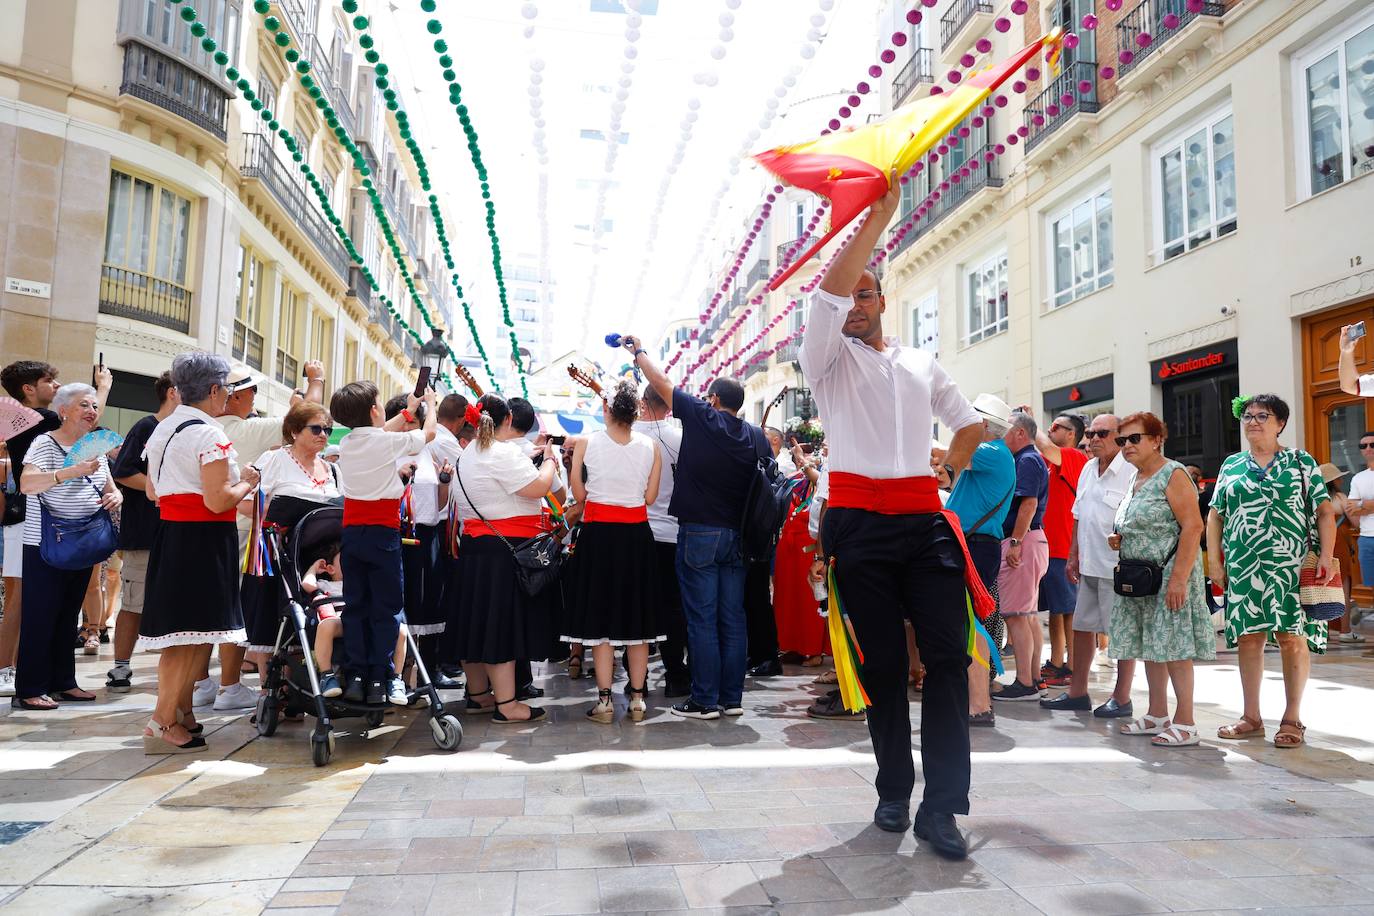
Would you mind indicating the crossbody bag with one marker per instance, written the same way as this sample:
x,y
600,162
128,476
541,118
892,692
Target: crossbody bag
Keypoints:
x,y
75,543
537,559
1140,578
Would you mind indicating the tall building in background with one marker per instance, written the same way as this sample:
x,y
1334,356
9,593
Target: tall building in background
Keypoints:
x,y
146,208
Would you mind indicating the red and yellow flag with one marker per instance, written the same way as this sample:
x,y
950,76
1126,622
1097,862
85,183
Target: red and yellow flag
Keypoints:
x,y
850,167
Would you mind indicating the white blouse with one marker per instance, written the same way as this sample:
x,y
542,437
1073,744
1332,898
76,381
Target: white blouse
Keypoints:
x,y
617,475
283,475
491,477
200,444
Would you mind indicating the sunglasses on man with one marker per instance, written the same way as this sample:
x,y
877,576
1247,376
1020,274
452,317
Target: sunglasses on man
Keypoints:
x,y
1097,433
1365,445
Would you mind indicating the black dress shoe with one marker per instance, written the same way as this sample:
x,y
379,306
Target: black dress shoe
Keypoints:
x,y
940,831
673,691
1114,710
529,692
376,693
893,816
354,692
444,682
1066,703
769,668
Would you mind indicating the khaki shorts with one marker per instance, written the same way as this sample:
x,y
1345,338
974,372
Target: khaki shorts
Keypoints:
x,y
133,575
1093,612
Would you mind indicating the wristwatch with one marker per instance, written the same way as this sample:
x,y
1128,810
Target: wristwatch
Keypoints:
x,y
1015,542
636,353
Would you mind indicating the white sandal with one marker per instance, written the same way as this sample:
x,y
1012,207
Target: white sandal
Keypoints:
x,y
1176,736
1145,725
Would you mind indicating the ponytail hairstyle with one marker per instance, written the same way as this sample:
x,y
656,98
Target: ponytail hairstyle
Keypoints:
x,y
623,404
494,411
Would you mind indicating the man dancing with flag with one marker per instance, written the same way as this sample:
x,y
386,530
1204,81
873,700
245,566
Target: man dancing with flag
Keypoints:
x,y
895,556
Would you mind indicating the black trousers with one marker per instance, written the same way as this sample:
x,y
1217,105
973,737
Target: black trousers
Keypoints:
x,y
677,669
895,567
758,613
52,607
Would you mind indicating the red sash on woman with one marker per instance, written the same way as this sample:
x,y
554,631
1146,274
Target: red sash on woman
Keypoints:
x,y
190,507
384,512
908,496
625,515
517,526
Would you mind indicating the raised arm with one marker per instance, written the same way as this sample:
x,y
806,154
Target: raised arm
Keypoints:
x,y
644,363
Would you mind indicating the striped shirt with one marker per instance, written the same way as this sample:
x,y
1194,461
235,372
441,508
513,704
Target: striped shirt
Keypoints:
x,y
76,498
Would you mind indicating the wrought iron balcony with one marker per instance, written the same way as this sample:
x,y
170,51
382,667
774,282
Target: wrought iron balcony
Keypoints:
x,y
1047,112
1161,20
800,245
985,175
789,352
247,345
359,288
143,297
919,69
758,273
261,162
961,13
168,83
754,368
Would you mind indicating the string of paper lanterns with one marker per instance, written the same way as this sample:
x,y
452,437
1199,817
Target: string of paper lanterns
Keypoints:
x,y
538,137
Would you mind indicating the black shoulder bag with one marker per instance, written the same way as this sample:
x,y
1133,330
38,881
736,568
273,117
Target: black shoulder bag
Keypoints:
x,y
76,543
537,559
1140,578
765,506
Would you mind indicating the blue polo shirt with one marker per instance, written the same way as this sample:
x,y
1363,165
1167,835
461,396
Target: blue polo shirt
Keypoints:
x,y
986,483
1032,482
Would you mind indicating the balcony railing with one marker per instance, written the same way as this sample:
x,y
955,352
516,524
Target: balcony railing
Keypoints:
x,y
1047,112
961,12
985,175
785,247
789,351
393,212
754,368
919,69
1161,20
247,345
288,368
358,287
143,297
759,272
168,83
260,161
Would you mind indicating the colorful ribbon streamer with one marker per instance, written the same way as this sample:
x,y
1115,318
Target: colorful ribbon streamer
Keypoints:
x,y
849,656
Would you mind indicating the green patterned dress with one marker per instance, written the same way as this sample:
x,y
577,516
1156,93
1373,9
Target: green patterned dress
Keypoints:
x,y
1144,628
1265,535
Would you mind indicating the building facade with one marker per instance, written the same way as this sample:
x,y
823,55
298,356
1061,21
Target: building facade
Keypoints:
x,y
147,210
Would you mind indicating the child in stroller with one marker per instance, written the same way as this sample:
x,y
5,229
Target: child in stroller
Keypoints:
x,y
326,600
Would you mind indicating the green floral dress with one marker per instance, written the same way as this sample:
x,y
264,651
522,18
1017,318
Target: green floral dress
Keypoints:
x,y
1265,534
1144,628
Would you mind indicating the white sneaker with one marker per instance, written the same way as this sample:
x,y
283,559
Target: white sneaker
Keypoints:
x,y
236,696
7,682
204,692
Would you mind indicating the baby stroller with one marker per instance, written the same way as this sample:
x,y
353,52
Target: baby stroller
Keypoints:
x,y
291,684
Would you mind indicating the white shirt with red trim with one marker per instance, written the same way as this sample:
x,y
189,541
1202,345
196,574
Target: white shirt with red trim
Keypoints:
x,y
196,445
367,461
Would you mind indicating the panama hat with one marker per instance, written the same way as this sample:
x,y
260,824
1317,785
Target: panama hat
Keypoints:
x,y
993,408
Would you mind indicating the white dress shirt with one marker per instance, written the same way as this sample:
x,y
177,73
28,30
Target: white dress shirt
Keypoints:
x,y
786,465
668,436
878,407
368,459
1099,497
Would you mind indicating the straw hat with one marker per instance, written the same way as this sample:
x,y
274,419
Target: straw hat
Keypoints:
x,y
1330,472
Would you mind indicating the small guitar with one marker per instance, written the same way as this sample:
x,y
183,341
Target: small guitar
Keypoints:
x,y
466,378
773,403
586,380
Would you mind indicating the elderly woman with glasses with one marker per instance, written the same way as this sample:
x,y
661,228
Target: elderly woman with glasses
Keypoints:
x,y
297,480
46,672
191,601
1269,507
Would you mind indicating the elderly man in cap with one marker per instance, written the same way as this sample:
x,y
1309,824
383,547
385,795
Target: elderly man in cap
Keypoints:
x,y
981,499
252,436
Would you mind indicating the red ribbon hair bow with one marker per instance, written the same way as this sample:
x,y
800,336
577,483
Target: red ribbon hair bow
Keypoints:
x,y
472,415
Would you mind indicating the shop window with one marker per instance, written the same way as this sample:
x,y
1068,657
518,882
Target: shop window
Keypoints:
x,y
1195,186
1334,92
1080,248
985,298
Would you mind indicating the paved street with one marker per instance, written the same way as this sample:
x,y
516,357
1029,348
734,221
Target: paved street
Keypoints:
x,y
770,812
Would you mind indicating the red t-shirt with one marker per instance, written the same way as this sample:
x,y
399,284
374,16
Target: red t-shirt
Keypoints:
x,y
1063,491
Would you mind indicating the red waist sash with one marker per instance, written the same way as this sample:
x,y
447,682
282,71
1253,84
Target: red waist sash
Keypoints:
x,y
625,515
908,496
190,507
384,512
517,526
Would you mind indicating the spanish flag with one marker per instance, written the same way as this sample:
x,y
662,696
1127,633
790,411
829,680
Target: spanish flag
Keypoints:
x,y
851,167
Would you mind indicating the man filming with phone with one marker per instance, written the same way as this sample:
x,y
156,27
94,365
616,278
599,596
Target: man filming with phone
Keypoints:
x,y
1352,382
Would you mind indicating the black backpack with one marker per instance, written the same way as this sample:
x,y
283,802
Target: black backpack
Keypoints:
x,y
765,508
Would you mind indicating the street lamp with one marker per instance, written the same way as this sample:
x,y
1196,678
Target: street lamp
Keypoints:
x,y
432,355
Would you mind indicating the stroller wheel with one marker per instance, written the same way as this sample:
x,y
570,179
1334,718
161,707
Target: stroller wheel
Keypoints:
x,y
321,746
374,719
268,715
448,732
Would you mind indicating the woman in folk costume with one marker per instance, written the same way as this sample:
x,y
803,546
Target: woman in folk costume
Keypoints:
x,y
800,628
613,598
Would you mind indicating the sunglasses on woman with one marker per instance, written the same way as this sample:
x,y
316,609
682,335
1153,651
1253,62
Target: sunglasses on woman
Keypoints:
x,y
1133,438
1097,433
319,429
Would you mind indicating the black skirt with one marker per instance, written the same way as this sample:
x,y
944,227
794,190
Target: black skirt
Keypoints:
x,y
192,592
613,596
496,622
425,571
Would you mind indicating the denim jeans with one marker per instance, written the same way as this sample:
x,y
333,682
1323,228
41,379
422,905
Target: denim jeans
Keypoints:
x,y
710,569
1365,548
